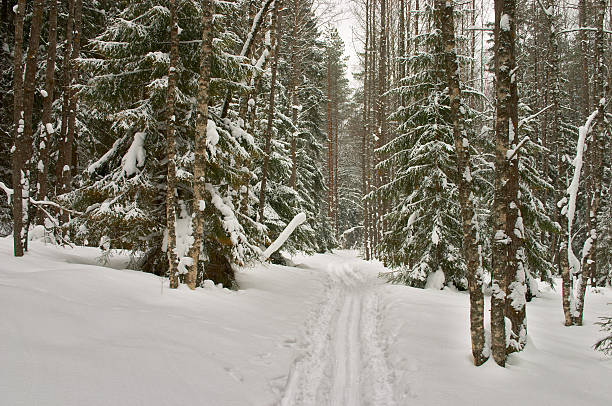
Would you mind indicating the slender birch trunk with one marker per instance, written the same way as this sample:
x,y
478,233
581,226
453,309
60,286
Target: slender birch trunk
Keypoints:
x,y
471,244
594,154
505,188
199,180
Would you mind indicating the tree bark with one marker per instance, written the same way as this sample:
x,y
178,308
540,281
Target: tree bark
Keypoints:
x,y
595,161
274,67
365,136
199,180
471,245
506,182
171,151
19,147
72,104
29,87
47,130
66,72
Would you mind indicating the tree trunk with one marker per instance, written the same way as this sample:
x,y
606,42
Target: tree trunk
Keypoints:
x,y
293,87
67,167
468,215
330,145
29,87
264,170
365,135
47,131
19,147
505,183
595,161
199,180
171,151
66,72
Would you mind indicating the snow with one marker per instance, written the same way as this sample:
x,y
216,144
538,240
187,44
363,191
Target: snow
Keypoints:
x,y
94,166
8,191
504,22
467,175
435,235
49,128
572,190
324,332
435,280
135,156
212,137
284,235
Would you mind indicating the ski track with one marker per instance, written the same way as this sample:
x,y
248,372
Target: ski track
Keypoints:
x,y
341,362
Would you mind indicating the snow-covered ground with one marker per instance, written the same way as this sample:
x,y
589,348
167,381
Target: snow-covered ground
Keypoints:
x,y
325,332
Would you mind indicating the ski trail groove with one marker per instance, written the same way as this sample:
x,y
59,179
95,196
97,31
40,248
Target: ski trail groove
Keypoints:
x,y
342,363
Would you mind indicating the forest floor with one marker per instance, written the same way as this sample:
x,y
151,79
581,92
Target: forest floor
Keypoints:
x,y
326,331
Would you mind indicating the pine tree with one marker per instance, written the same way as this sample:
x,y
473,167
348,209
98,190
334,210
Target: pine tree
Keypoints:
x,y
424,233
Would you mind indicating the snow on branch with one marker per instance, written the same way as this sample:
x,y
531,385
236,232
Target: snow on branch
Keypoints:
x,y
286,233
572,190
108,155
135,156
8,191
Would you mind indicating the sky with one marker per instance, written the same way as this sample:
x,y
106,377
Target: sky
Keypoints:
x,y
346,23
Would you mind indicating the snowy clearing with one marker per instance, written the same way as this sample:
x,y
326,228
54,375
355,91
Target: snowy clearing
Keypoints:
x,y
325,332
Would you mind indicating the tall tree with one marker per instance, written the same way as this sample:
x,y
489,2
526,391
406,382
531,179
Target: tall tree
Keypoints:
x,y
200,147
445,23
47,130
272,99
72,98
171,150
20,187
508,274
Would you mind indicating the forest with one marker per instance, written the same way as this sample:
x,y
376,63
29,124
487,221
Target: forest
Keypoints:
x,y
467,150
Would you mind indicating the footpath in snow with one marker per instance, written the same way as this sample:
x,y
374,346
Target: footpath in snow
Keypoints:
x,y
325,332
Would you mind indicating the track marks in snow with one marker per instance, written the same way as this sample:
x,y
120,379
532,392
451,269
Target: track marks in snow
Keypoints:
x,y
340,360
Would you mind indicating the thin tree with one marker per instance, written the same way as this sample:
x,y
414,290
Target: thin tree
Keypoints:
x,y
171,150
47,129
445,23
19,147
272,98
68,146
506,182
199,180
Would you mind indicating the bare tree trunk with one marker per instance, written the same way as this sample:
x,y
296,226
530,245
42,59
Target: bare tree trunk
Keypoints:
x,y
274,68
29,86
336,152
47,131
505,183
330,145
66,72
468,215
20,147
382,94
595,161
295,74
199,180
171,151
73,97
365,136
